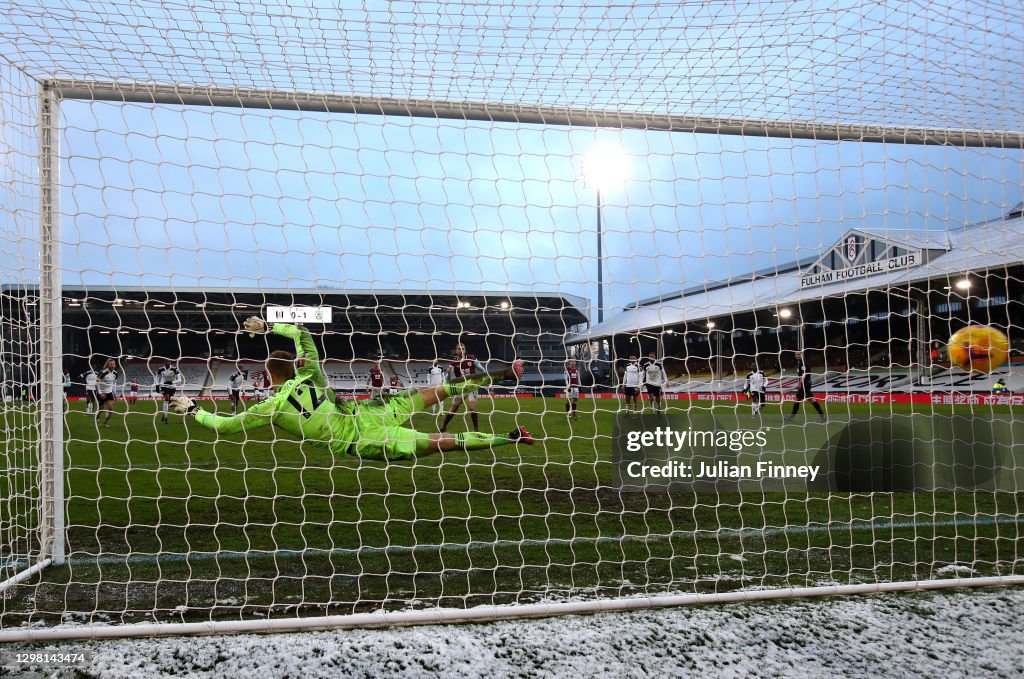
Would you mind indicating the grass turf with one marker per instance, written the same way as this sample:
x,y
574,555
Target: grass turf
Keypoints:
x,y
171,522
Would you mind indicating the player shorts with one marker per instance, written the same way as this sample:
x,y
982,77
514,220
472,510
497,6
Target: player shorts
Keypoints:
x,y
381,434
654,391
630,391
757,396
467,398
802,394
134,393
90,394
573,393
103,398
168,392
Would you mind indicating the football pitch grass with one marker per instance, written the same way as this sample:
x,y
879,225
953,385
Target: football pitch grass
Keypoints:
x,y
171,522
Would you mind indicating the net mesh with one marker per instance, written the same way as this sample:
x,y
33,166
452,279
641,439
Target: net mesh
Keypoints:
x,y
421,234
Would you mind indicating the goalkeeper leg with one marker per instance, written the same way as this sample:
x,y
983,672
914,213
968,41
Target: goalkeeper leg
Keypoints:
x,y
471,440
428,396
402,443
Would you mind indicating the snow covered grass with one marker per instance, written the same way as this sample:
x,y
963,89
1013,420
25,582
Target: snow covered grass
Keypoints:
x,y
169,523
960,634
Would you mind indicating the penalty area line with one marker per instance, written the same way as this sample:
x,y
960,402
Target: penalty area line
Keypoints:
x,y
109,559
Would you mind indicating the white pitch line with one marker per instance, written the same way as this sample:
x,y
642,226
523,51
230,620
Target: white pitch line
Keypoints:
x,y
504,544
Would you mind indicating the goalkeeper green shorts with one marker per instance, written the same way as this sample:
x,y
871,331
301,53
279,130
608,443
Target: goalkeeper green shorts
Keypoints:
x,y
381,434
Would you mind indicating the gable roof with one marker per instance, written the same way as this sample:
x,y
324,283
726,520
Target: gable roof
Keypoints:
x,y
993,244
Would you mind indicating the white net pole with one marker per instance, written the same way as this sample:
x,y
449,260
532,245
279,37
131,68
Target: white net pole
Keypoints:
x,y
21,554
51,302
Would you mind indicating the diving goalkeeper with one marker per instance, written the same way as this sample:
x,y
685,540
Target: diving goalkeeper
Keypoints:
x,y
303,405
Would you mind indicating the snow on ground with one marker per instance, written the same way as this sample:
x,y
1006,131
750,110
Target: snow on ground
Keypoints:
x,y
960,634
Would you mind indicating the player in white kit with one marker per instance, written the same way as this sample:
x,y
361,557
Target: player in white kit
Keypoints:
x,y
435,378
89,377
756,387
106,385
631,379
168,379
655,380
235,383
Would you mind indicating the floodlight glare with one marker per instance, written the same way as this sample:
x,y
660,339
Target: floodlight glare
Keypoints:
x,y
606,167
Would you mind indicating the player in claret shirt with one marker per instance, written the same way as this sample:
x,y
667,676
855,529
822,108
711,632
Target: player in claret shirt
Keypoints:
x,y
463,366
376,381
304,405
133,391
572,389
395,386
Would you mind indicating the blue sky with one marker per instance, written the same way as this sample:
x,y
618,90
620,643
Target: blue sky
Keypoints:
x,y
214,197
172,196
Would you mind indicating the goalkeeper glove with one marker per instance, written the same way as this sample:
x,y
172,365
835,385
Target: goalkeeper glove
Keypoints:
x,y
255,324
183,405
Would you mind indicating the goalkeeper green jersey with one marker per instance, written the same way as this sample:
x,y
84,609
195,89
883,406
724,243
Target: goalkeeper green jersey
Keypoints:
x,y
303,406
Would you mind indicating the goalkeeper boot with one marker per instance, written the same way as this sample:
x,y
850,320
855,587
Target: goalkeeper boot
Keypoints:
x,y
520,435
823,419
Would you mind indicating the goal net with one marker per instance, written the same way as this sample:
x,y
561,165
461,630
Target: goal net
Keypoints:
x,y
758,227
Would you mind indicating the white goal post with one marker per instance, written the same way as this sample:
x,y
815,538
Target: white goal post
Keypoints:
x,y
847,548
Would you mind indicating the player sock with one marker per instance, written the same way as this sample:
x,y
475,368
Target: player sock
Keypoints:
x,y
474,440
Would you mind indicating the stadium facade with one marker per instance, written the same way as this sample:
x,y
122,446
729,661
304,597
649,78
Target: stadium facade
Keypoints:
x,y
201,330
868,312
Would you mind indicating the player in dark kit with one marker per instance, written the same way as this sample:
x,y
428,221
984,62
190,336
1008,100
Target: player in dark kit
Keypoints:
x,y
463,367
803,391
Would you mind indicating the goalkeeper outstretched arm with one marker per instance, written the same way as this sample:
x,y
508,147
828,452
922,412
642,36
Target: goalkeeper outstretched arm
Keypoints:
x,y
259,415
307,367
307,359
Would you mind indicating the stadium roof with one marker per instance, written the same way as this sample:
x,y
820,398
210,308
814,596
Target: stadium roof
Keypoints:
x,y
862,261
211,307
221,308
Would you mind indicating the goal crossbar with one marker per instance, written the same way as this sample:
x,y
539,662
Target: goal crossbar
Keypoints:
x,y
234,97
